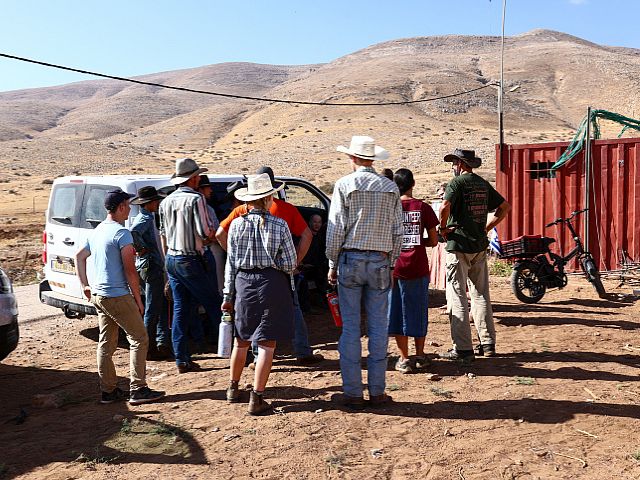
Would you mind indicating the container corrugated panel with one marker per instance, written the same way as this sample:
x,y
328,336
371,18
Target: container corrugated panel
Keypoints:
x,y
538,197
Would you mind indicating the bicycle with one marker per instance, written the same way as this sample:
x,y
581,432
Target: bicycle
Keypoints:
x,y
533,272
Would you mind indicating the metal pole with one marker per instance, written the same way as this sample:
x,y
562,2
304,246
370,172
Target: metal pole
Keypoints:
x,y
587,178
501,92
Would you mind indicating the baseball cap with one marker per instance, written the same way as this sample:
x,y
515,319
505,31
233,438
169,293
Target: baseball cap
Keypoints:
x,y
113,198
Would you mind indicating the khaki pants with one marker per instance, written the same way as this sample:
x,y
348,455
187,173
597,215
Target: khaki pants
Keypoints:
x,y
469,269
114,312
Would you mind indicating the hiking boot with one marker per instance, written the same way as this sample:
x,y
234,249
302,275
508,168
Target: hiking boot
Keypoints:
x,y
144,395
257,404
380,400
421,362
404,366
310,359
465,357
188,367
353,403
485,350
165,352
117,395
233,393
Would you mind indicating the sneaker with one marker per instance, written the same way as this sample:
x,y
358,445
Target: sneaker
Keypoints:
x,y
310,359
421,362
404,366
485,350
380,400
188,367
257,404
145,395
465,357
233,393
117,395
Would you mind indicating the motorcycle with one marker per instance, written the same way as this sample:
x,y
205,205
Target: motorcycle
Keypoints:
x,y
537,268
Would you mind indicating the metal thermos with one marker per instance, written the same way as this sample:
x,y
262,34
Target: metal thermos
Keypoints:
x,y
225,335
334,306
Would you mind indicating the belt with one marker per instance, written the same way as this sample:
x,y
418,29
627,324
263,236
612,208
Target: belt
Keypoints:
x,y
361,251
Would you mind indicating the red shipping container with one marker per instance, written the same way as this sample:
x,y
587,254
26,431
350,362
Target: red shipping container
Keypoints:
x,y
539,196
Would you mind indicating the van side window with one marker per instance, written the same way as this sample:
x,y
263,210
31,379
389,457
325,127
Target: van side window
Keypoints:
x,y
65,204
94,211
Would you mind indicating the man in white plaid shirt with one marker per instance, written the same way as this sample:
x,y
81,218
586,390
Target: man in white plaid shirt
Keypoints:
x,y
364,238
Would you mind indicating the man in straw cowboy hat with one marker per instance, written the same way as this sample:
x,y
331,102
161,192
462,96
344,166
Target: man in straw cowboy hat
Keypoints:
x,y
258,286
467,201
115,292
185,227
364,236
300,230
150,266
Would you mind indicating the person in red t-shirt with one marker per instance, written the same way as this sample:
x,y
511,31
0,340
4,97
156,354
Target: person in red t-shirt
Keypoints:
x,y
408,299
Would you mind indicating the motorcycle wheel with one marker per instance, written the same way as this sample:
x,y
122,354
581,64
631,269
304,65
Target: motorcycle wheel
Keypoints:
x,y
526,284
593,275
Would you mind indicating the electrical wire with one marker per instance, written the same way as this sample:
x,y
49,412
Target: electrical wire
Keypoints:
x,y
243,97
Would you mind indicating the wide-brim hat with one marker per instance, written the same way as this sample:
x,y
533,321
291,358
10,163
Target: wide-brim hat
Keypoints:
x,y
258,186
145,195
185,169
269,171
466,156
364,147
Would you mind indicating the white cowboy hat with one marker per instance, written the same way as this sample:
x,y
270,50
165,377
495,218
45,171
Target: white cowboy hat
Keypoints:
x,y
185,169
364,147
258,186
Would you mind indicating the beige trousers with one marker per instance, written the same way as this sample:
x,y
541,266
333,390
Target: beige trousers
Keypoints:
x,y
469,270
115,312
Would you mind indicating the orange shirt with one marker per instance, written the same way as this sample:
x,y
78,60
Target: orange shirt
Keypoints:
x,y
280,209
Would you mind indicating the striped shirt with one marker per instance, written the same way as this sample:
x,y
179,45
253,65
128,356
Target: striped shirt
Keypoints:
x,y
252,245
184,222
365,214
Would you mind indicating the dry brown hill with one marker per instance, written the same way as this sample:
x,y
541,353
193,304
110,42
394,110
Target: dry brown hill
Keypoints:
x,y
107,126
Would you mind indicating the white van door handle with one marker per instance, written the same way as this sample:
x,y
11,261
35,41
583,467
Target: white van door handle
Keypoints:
x,y
68,241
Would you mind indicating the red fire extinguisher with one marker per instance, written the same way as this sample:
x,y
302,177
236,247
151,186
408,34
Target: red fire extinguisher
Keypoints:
x,y
334,306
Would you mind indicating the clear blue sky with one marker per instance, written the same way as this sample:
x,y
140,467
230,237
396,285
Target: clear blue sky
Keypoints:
x,y
135,37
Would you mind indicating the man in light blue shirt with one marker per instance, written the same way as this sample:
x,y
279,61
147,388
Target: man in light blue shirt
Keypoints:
x,y
115,292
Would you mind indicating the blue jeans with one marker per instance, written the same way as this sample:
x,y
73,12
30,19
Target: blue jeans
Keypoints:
x,y
156,315
191,286
301,345
363,275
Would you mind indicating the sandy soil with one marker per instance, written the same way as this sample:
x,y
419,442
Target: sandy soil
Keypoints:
x,y
560,401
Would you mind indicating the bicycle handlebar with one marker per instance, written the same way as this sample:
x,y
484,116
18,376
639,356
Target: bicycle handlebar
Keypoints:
x,y
568,219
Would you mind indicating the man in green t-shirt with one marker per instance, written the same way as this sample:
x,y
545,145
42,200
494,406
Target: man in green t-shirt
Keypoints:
x,y
463,223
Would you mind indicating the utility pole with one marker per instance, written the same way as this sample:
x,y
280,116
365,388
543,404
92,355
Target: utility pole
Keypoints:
x,y
587,178
501,91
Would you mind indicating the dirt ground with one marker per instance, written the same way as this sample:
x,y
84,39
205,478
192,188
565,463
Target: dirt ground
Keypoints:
x,y
561,400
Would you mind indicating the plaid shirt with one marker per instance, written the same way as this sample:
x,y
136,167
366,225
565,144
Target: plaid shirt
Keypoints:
x,y
252,245
184,222
365,214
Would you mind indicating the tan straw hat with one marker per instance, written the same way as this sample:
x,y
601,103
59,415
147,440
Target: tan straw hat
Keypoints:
x,y
364,147
258,186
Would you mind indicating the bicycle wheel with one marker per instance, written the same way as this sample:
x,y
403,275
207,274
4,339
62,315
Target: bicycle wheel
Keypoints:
x,y
593,275
526,284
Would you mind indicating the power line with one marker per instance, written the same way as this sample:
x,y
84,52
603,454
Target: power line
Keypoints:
x,y
243,97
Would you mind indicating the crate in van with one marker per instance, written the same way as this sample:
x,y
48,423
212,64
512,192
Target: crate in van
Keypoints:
x,y
76,207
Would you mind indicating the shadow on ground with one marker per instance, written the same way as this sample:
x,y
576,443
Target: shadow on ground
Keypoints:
x,y
69,423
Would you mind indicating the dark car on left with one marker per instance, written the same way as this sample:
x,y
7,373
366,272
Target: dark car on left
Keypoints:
x,y
9,333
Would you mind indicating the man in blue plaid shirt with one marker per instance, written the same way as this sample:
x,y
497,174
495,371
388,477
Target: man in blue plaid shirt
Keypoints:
x,y
364,238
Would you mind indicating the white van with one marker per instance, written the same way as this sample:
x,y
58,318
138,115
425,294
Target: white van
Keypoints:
x,y
76,207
